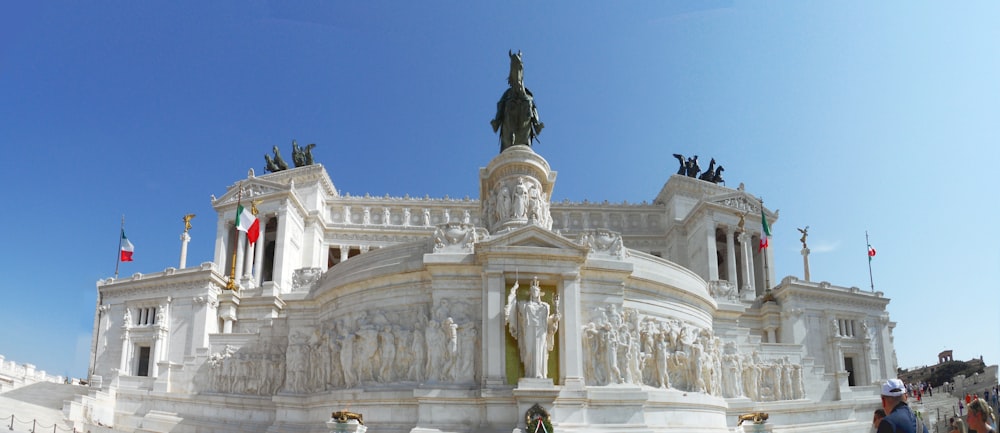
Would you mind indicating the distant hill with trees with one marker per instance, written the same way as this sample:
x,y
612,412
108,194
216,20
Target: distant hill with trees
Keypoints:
x,y
938,374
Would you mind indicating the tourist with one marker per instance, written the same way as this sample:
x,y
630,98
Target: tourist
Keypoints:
x,y
899,418
981,418
958,426
879,414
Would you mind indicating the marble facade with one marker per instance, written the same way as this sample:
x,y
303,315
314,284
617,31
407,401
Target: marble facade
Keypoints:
x,y
669,317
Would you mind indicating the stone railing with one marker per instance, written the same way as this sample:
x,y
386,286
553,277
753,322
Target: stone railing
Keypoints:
x,y
14,375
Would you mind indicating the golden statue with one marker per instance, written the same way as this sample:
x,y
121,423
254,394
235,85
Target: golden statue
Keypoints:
x,y
344,416
253,206
743,221
187,222
755,417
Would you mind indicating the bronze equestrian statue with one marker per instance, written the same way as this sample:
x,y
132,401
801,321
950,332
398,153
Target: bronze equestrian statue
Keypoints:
x,y
517,116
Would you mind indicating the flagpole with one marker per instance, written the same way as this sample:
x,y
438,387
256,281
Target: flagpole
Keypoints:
x,y
870,279
764,230
118,261
231,285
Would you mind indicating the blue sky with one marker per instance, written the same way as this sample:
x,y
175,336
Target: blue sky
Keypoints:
x,y
846,116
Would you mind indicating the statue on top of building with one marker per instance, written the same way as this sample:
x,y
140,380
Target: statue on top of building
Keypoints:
x,y
517,116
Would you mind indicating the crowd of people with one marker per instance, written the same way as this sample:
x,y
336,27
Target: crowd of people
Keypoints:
x,y
975,414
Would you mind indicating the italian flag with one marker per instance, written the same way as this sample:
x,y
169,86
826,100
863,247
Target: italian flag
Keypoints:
x,y
127,248
246,222
871,252
765,230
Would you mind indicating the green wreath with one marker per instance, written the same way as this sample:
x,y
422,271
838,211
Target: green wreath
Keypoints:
x,y
533,425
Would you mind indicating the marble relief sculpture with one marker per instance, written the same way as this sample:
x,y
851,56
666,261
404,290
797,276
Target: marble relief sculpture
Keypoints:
x,y
370,347
521,200
620,347
534,327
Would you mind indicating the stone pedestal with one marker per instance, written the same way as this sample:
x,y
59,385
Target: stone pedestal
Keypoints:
x,y
349,426
530,392
515,190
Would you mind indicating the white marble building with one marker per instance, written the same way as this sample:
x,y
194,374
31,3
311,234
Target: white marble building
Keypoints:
x,y
394,307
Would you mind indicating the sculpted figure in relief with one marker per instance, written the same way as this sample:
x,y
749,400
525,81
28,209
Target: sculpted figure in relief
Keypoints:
x,y
520,199
534,328
504,206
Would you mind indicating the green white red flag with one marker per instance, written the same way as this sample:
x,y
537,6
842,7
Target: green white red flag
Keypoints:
x,y
765,230
246,222
871,252
126,249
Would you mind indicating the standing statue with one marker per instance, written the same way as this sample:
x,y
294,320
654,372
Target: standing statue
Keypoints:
x,y
533,327
187,222
517,116
805,233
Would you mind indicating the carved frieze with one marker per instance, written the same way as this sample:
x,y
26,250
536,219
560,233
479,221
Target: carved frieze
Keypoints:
x,y
305,278
457,237
603,243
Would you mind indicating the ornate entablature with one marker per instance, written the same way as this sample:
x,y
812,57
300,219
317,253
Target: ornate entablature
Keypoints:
x,y
741,202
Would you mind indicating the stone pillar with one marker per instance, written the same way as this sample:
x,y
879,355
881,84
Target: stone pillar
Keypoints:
x,y
771,337
494,339
280,239
747,265
154,357
248,261
768,267
258,252
222,244
240,237
185,238
344,249
731,258
571,340
805,262
126,352
713,253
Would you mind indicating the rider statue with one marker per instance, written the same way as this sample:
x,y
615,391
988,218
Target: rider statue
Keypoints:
x,y
517,117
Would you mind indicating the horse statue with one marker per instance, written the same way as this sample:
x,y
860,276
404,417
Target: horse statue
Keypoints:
x,y
517,116
276,164
709,173
717,177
